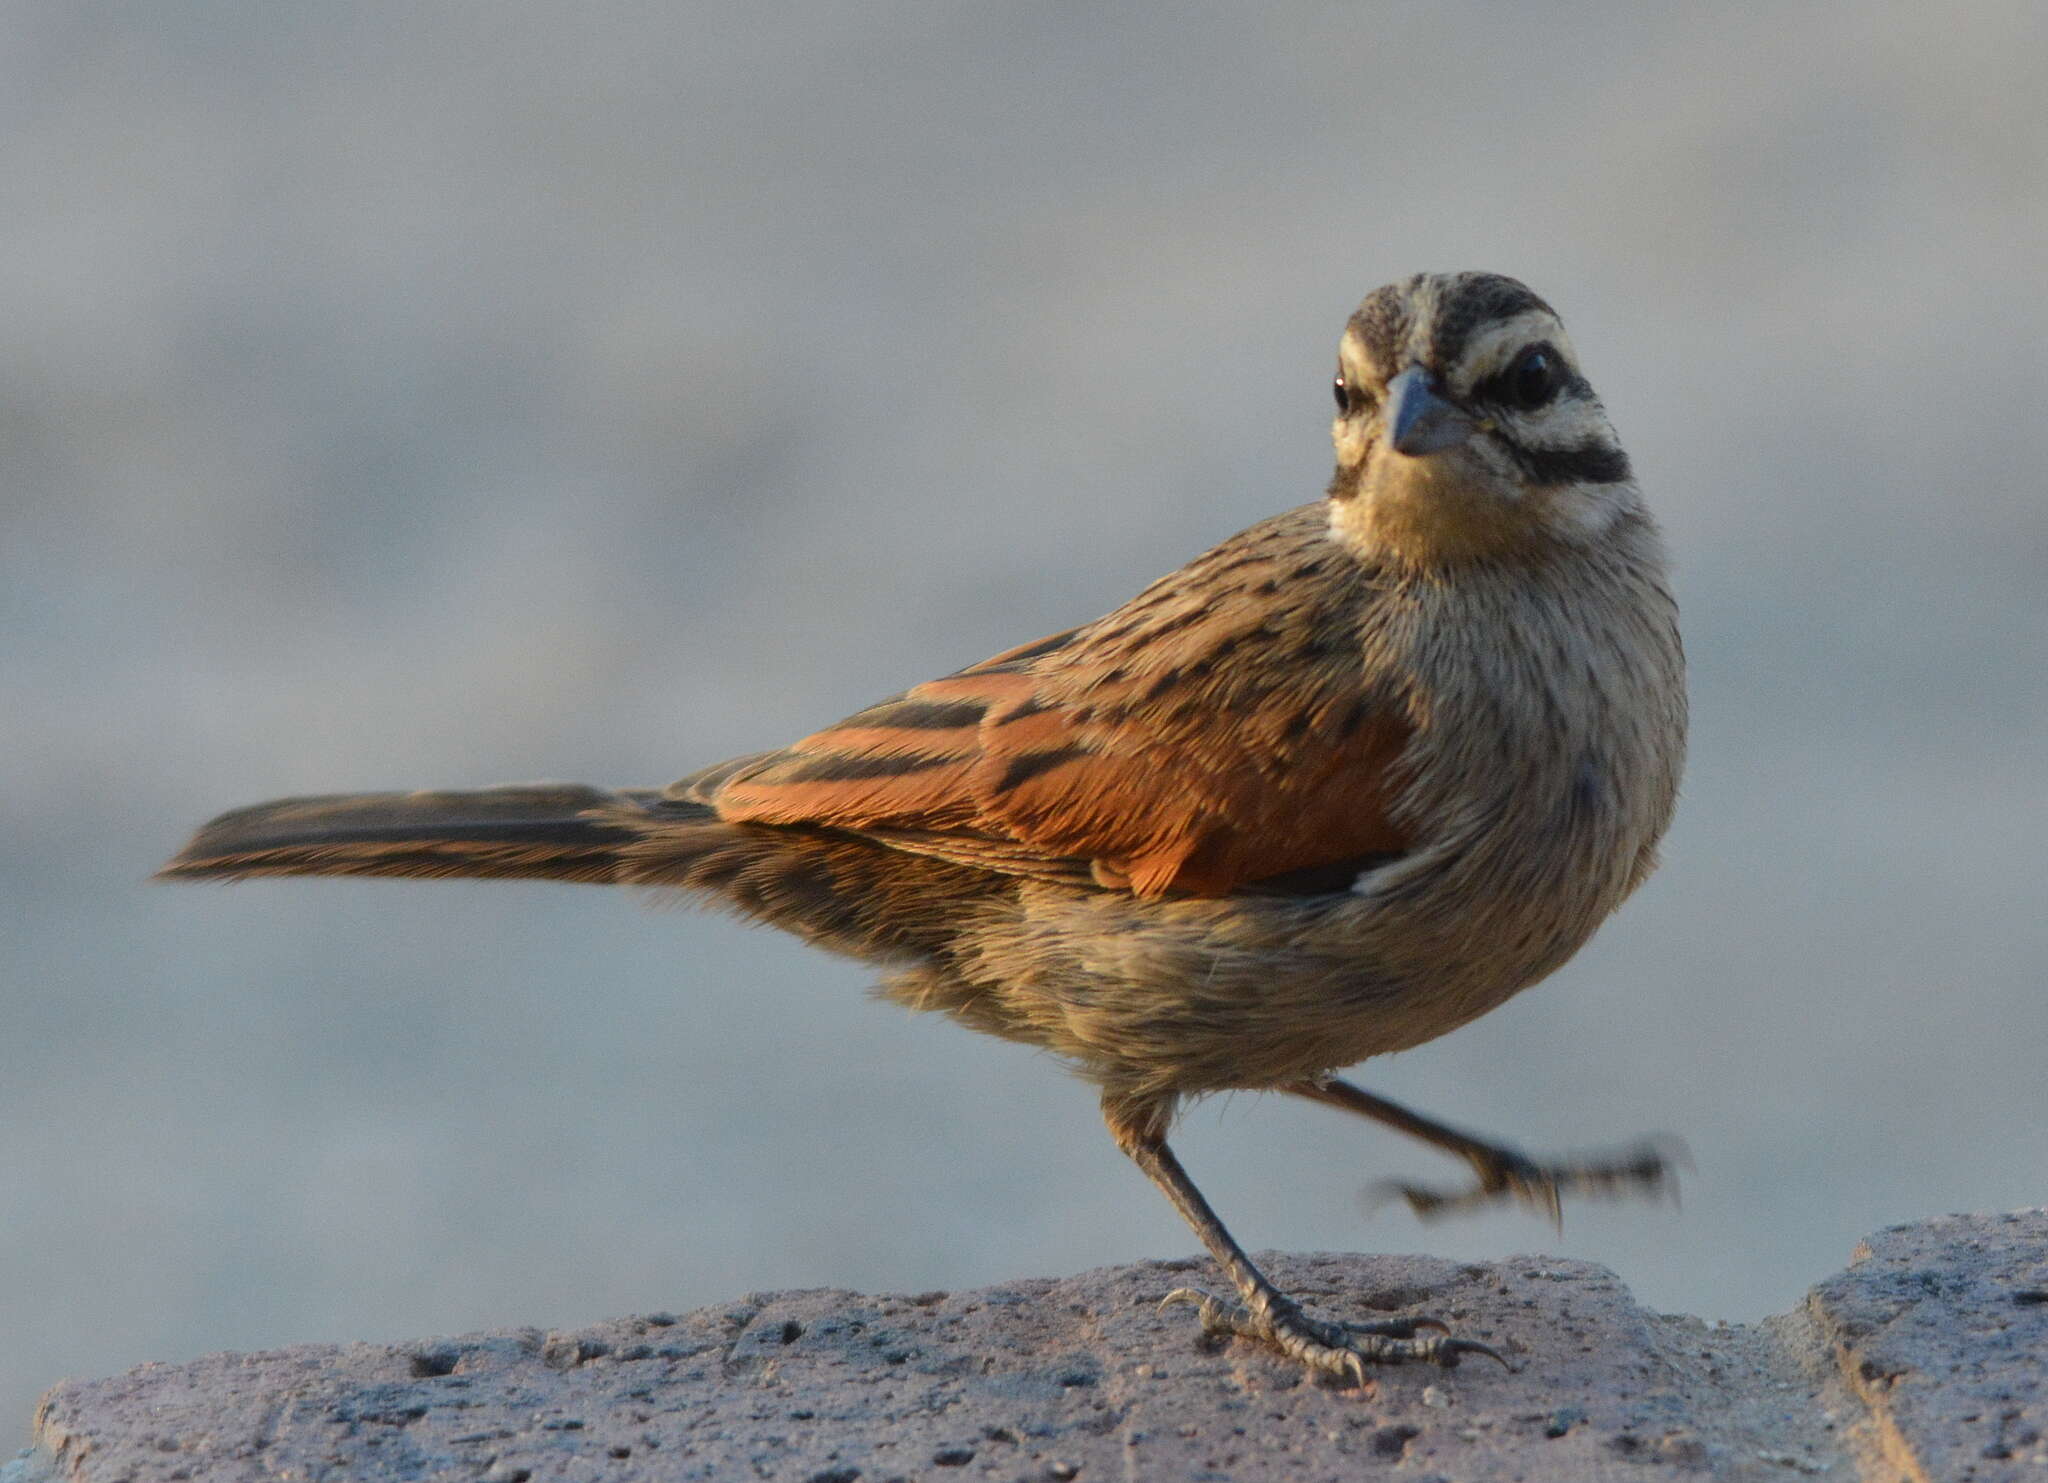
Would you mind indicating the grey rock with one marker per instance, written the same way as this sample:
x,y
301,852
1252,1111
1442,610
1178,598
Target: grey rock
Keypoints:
x,y
1942,1329
1917,1362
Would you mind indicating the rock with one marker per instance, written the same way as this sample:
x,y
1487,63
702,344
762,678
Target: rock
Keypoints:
x,y
1083,1378
1942,1329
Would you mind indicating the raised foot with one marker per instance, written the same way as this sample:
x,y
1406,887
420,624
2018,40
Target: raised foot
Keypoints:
x,y
1648,1168
1333,1347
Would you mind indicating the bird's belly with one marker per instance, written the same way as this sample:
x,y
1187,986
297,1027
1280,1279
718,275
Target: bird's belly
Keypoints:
x,y
1244,992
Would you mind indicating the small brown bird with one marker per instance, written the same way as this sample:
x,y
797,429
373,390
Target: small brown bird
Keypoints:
x,y
1340,785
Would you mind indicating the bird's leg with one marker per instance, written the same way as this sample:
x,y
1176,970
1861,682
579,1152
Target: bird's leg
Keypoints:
x,y
1504,1173
1266,1313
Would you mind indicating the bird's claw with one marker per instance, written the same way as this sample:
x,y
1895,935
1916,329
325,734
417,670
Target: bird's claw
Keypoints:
x,y
1334,1347
1649,1167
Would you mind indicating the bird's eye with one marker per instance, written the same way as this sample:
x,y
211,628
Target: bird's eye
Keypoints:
x,y
1534,377
1352,398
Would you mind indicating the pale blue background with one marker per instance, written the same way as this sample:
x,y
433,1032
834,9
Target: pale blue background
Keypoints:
x,y
439,394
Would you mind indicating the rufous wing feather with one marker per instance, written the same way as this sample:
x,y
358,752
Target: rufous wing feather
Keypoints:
x,y
1188,742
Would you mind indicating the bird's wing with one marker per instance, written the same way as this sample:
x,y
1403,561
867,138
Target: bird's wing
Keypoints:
x,y
1219,730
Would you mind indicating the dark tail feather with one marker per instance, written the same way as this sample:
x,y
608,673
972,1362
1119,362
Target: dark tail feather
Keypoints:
x,y
846,893
544,831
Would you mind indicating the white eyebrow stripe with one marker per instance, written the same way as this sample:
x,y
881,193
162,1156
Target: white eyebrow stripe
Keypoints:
x,y
1489,349
1353,351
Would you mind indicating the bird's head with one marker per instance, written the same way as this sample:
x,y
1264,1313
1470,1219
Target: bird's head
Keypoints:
x,y
1465,429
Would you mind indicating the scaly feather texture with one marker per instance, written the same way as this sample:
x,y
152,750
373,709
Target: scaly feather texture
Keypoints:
x,y
1334,788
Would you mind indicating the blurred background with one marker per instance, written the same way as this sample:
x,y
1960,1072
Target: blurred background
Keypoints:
x,y
439,394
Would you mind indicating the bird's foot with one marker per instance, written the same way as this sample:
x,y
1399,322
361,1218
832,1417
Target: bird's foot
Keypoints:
x,y
1332,1347
1504,1175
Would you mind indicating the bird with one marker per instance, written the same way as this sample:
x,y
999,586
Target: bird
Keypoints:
x,y
1332,789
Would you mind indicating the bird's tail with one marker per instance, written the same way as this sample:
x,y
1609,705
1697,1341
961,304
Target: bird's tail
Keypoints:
x,y
541,831
845,893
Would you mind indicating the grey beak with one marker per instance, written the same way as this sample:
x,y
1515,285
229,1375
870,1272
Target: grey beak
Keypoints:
x,y
1419,419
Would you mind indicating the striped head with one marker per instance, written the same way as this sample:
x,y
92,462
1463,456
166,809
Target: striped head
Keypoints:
x,y
1465,428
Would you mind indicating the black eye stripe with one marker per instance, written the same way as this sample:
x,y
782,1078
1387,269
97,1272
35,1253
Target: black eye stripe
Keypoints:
x,y
1499,388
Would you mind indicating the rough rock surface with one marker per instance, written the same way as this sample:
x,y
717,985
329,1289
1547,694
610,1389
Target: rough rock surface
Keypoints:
x,y
1942,1328
1919,1362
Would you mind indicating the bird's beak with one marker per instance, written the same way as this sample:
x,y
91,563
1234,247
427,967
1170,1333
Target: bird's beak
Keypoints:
x,y
1420,419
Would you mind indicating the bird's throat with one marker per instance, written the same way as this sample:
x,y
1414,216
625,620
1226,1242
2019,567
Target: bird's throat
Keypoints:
x,y
1424,512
